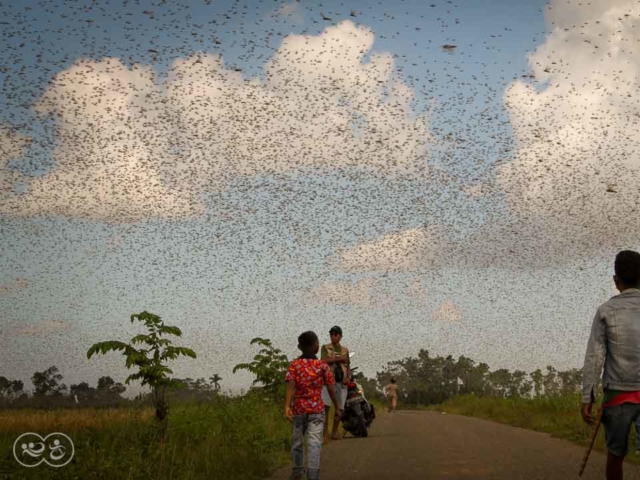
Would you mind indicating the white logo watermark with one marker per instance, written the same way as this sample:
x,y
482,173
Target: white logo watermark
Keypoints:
x,y
30,449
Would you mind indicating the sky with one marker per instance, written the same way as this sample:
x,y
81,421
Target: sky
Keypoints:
x,y
449,175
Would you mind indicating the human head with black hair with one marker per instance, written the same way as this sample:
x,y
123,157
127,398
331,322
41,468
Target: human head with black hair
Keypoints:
x,y
627,270
393,380
336,334
308,343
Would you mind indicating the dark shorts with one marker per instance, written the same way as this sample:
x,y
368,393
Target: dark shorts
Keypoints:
x,y
617,422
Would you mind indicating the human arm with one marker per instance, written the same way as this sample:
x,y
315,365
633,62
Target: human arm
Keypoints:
x,y
593,363
330,383
333,360
348,361
334,398
288,412
324,356
290,378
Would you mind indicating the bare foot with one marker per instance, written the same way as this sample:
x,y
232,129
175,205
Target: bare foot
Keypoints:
x,y
335,436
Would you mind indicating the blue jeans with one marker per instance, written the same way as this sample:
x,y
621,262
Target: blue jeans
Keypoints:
x,y
310,425
617,422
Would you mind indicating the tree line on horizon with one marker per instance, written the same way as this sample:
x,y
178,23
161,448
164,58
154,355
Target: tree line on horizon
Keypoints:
x,y
49,391
422,380
426,379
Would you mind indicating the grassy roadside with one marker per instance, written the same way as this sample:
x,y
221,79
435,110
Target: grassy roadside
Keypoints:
x,y
558,416
239,438
244,438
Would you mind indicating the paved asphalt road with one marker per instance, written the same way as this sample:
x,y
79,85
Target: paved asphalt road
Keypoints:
x,y
431,445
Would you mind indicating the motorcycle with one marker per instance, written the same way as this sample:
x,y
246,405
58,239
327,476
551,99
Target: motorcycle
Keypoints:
x,y
358,413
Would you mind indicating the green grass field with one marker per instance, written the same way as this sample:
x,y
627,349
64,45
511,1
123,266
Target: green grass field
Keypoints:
x,y
229,438
558,416
236,438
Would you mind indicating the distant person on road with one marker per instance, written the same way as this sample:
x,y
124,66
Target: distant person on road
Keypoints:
x,y
615,336
391,392
337,357
305,379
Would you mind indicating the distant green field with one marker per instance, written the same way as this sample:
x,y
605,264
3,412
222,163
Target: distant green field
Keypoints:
x,y
558,416
239,438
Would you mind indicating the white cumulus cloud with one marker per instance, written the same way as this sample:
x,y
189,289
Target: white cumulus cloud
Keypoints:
x,y
573,187
577,164
130,145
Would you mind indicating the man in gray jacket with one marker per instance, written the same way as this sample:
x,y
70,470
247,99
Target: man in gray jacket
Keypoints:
x,y
615,344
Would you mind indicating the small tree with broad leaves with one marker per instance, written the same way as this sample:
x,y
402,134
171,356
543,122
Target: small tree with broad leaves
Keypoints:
x,y
269,366
149,361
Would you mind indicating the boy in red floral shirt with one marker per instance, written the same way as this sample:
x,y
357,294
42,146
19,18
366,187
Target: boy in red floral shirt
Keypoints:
x,y
305,377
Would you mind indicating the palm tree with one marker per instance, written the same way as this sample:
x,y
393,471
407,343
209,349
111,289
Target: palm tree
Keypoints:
x,y
215,381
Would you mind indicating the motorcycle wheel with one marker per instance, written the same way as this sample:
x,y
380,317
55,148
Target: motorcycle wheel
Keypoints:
x,y
362,424
371,415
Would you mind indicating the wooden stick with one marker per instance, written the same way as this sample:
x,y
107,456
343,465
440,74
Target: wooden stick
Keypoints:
x,y
593,440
